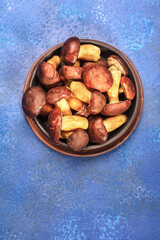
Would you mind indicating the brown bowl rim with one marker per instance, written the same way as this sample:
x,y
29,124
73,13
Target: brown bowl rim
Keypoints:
x,y
124,134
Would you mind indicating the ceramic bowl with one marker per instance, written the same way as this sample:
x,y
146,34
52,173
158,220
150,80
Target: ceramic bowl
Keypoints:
x,y
117,137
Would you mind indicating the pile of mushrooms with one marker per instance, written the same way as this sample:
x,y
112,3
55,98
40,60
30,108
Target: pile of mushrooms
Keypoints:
x,y
79,94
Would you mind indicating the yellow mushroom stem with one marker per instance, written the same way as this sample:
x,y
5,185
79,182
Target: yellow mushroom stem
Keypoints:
x,y
80,91
113,92
55,61
64,106
112,123
65,134
89,52
73,122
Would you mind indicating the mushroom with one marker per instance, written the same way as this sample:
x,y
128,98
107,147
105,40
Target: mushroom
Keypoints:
x,y
56,94
58,123
70,72
89,52
98,128
70,50
55,124
78,140
47,75
33,101
97,77
96,100
55,61
97,103
115,107
128,87
116,61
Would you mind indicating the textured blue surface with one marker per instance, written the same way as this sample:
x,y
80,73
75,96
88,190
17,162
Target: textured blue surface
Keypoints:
x,y
46,195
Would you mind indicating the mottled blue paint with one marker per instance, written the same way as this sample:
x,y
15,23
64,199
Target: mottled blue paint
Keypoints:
x,y
45,194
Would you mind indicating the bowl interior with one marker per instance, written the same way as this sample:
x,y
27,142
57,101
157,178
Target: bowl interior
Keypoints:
x,y
39,124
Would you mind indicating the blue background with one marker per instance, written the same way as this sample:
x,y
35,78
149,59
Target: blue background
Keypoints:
x,y
46,195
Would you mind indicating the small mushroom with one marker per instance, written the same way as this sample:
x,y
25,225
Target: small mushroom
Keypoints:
x,y
33,101
55,61
115,107
128,87
96,100
70,50
55,124
97,103
78,140
58,123
116,61
70,72
47,75
96,130
96,77
89,52
56,94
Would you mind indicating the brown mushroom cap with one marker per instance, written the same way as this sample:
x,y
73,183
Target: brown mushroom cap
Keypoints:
x,y
117,62
70,72
114,109
55,124
47,75
98,78
101,63
78,140
96,130
56,94
128,87
70,50
33,101
87,64
97,103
